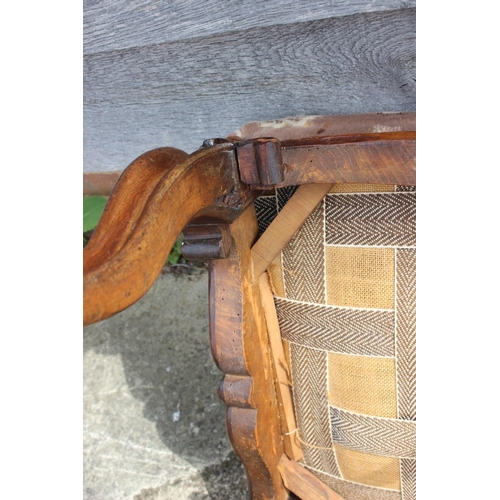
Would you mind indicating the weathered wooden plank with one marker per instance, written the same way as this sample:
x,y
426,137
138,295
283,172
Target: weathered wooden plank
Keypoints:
x,y
113,25
178,94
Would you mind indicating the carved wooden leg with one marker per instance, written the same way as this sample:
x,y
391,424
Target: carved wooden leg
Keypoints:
x,y
240,349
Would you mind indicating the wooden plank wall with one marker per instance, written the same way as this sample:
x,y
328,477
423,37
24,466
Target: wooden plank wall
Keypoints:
x,y
176,73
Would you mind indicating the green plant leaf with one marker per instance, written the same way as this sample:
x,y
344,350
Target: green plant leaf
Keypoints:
x,y
93,207
176,252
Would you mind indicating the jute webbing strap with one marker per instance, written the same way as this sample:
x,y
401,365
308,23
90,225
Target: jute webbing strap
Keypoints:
x,y
367,332
286,224
390,437
354,490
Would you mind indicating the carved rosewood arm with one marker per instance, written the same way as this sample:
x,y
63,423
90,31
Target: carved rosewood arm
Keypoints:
x,y
165,189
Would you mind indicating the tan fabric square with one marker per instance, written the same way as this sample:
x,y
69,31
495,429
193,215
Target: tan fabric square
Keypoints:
x,y
360,277
373,470
275,272
361,188
362,384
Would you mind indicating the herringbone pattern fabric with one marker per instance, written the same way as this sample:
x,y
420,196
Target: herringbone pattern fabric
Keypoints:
x,y
282,196
406,342
380,219
345,297
389,437
312,407
408,479
349,331
405,188
267,210
303,261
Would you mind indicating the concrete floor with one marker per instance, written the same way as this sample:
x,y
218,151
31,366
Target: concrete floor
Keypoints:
x,y
154,428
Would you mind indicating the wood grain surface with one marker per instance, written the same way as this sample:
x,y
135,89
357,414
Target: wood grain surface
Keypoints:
x,y
240,346
327,125
117,278
204,242
382,162
127,202
118,24
282,375
178,93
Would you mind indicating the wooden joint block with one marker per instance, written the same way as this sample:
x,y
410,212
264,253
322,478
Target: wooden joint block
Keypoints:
x,y
260,162
235,390
204,242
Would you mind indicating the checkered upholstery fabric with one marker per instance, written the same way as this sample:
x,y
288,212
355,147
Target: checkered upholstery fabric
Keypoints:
x,y
344,290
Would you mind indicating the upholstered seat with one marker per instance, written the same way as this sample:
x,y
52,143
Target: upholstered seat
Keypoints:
x,y
344,290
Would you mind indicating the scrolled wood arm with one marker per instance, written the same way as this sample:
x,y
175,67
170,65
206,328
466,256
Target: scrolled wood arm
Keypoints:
x,y
126,203
142,221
